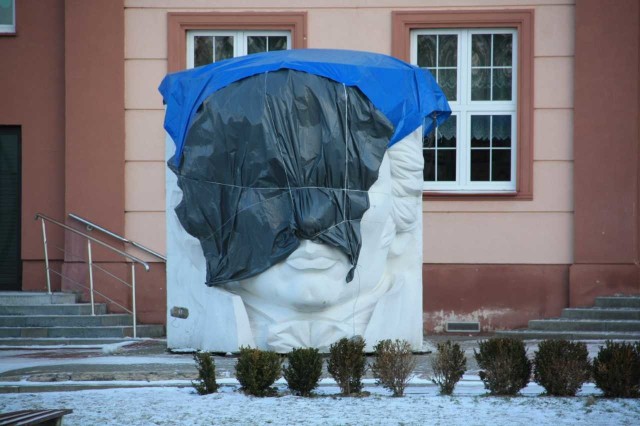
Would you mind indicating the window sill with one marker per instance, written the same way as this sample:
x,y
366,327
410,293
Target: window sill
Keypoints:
x,y
8,34
476,196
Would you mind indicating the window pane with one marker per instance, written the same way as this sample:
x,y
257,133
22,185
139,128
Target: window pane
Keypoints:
x,y
480,131
480,85
501,165
224,48
6,12
256,44
481,50
203,54
447,79
502,49
448,51
447,133
502,84
480,164
426,51
429,171
446,165
501,131
277,43
429,141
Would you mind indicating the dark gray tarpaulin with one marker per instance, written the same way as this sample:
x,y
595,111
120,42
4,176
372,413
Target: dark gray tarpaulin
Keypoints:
x,y
275,158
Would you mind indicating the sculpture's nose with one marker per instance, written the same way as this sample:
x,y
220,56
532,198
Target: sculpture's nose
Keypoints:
x,y
309,246
309,225
314,214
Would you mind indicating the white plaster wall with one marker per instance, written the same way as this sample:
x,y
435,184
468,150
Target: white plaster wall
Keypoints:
x,y
537,231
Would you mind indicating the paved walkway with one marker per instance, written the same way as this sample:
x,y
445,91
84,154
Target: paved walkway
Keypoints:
x,y
149,363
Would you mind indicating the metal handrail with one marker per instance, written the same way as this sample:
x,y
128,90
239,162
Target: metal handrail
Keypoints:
x,y
90,225
90,239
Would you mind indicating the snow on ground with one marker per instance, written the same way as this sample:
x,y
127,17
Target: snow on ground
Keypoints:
x,y
422,405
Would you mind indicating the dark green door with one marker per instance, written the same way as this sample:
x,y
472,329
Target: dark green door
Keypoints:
x,y
10,266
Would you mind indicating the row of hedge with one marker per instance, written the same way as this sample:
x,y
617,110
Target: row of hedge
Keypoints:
x,y
561,367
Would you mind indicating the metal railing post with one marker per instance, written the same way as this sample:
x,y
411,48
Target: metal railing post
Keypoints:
x,y
46,256
93,311
133,299
90,264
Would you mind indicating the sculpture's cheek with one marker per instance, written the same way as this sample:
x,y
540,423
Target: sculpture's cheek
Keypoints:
x,y
377,230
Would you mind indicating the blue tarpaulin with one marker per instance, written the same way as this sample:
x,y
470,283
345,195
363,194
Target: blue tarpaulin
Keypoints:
x,y
404,93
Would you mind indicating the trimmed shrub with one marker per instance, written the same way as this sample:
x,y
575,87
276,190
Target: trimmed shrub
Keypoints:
x,y
616,370
304,370
347,364
561,367
257,370
206,382
449,364
393,365
505,366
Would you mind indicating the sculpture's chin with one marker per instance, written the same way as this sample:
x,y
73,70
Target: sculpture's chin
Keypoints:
x,y
312,303
314,291
314,306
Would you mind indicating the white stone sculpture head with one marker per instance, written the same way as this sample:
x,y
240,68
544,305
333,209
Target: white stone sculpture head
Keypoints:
x,y
305,300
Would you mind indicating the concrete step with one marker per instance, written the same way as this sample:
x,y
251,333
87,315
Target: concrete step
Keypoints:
x,y
602,313
618,302
144,330
34,298
584,325
569,335
57,309
65,320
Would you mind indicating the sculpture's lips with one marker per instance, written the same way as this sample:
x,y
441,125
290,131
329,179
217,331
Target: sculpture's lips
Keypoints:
x,y
312,255
303,262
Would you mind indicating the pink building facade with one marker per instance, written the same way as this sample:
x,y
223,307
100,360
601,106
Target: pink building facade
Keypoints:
x,y
530,195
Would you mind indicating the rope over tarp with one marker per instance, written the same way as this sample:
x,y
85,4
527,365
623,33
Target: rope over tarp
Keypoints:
x,y
404,93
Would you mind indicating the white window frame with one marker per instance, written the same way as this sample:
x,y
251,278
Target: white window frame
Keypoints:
x,y
10,28
239,40
463,107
